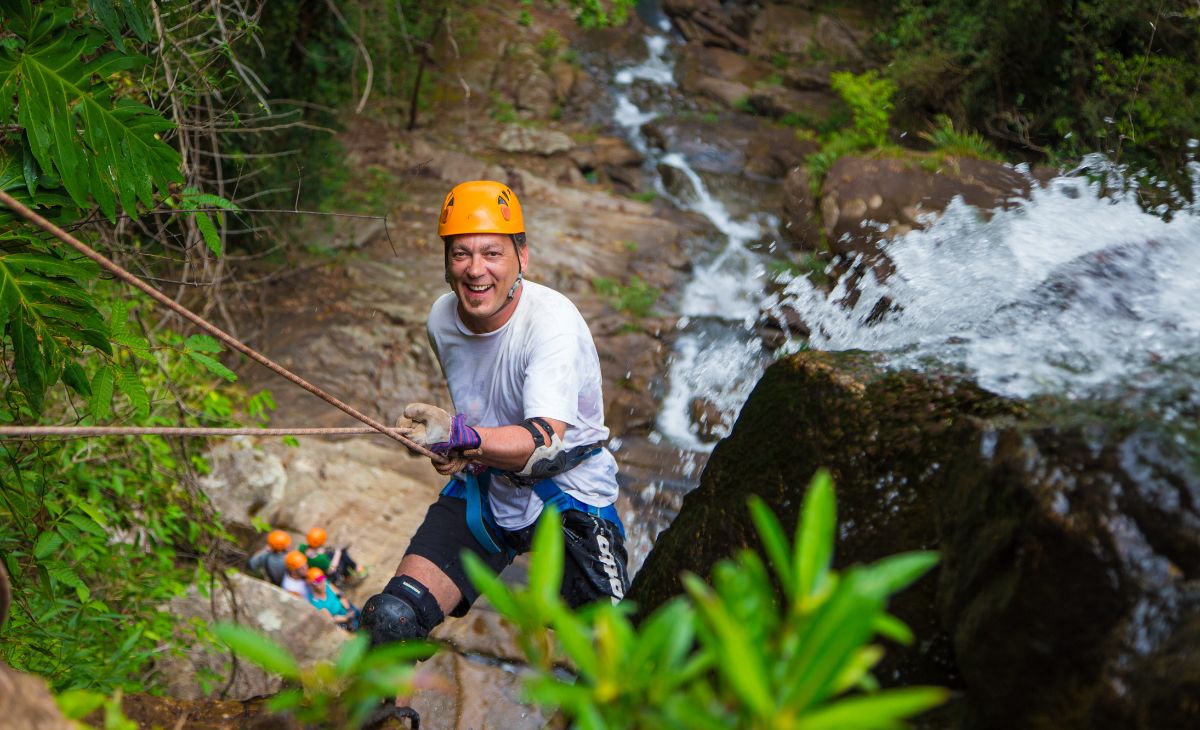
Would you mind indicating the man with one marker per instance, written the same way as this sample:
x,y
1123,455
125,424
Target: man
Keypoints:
x,y
525,381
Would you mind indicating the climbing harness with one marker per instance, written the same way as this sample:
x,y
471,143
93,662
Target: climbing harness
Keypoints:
x,y
482,522
213,330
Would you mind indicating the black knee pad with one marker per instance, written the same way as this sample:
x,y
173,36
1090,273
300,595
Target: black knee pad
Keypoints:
x,y
405,610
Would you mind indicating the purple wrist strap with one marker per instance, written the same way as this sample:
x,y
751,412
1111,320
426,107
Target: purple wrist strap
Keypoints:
x,y
462,437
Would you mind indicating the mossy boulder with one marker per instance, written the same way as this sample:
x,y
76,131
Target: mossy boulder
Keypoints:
x,y
1067,594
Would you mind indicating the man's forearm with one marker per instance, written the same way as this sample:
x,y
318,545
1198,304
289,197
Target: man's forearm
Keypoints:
x,y
509,447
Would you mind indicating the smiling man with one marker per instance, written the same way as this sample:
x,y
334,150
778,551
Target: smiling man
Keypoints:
x,y
529,427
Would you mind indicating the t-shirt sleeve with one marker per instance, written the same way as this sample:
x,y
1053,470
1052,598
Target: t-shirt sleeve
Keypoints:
x,y
552,378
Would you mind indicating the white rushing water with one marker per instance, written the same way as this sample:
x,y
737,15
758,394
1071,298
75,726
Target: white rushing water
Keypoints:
x,y
1073,291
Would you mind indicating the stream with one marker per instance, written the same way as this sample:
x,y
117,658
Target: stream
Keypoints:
x,y
1075,291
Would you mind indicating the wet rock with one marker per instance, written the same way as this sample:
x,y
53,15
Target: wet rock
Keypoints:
x,y
612,159
696,62
783,30
780,324
28,702
710,22
779,101
469,694
801,222
1067,596
308,633
864,200
521,139
730,144
711,422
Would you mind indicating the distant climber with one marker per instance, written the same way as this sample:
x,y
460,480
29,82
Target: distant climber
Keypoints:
x,y
335,562
295,581
270,561
524,377
325,596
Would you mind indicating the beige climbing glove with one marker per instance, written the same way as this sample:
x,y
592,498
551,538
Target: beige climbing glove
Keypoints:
x,y
425,424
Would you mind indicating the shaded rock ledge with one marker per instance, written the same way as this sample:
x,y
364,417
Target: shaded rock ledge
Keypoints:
x,y
1067,595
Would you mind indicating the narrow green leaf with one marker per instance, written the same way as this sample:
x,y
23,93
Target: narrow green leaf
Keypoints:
x,y
137,344
195,199
92,511
774,543
893,628
258,649
897,572
546,558
100,404
741,662
350,655
813,550
882,710
131,385
861,662
576,642
208,232
491,586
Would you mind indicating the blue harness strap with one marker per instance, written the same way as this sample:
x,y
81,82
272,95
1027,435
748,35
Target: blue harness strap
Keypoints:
x,y
473,490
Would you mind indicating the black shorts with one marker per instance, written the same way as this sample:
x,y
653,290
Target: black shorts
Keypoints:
x,y
594,559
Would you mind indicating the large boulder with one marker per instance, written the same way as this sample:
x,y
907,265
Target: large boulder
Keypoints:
x,y
27,702
732,144
866,200
1067,596
710,22
308,633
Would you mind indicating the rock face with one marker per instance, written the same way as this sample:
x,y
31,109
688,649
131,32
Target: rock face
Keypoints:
x,y
27,702
268,609
1067,595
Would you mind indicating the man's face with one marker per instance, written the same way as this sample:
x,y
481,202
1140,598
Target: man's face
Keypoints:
x,y
482,268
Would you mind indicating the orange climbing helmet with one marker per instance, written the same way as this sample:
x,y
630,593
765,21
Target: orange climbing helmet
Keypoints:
x,y
295,559
316,537
278,540
315,575
481,206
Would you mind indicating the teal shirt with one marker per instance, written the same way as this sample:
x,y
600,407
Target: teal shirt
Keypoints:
x,y
330,603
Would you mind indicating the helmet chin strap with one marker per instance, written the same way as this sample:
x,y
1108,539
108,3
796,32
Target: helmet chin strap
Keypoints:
x,y
512,290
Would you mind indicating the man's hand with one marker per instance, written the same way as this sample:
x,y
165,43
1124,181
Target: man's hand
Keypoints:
x,y
425,424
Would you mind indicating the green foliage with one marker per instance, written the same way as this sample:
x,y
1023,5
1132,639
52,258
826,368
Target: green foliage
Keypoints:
x,y
869,98
105,149
1057,78
787,646
338,694
635,298
592,14
950,141
77,704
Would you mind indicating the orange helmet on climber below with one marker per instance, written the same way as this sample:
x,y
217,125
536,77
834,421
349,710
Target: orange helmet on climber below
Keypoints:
x,y
314,575
316,537
278,540
295,559
481,206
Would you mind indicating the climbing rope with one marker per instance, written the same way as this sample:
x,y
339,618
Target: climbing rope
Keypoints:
x,y
213,330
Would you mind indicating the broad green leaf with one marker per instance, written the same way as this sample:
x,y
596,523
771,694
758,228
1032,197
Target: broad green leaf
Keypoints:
x,y
100,404
119,318
258,649
881,710
208,231
546,558
92,511
80,270
774,542
47,543
137,344
203,343
131,385
213,366
76,379
107,152
30,361
813,550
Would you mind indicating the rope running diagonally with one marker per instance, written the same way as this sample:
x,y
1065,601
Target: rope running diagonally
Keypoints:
x,y
212,329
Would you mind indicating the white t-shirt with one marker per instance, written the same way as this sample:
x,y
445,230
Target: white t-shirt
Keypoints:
x,y
295,585
542,362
